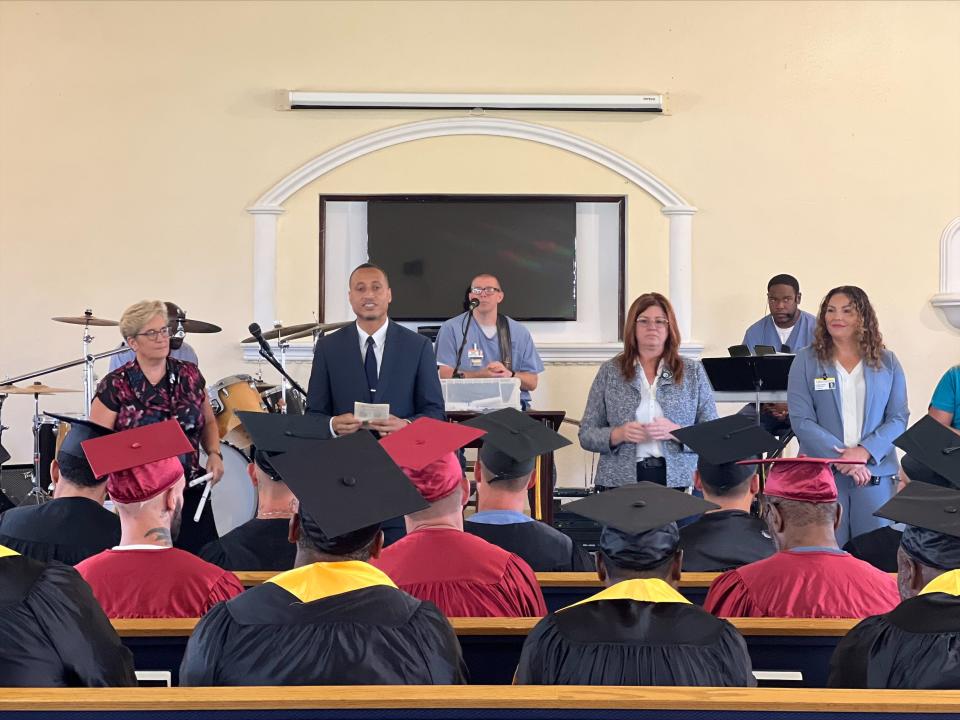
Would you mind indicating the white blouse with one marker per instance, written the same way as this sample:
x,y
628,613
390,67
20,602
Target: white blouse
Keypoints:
x,y
647,410
853,391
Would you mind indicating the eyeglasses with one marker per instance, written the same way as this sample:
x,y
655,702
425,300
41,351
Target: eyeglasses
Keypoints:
x,y
484,290
658,323
155,335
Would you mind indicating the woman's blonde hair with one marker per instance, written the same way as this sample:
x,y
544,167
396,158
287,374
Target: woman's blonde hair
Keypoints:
x,y
135,317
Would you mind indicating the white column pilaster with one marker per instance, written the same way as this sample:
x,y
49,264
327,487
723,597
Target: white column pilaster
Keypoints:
x,y
681,265
265,222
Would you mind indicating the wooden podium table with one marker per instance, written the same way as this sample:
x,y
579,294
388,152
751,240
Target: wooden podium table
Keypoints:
x,y
541,505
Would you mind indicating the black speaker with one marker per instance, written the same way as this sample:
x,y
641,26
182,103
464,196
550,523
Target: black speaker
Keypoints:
x,y
14,484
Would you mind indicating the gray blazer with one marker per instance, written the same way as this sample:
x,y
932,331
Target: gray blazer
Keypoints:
x,y
613,401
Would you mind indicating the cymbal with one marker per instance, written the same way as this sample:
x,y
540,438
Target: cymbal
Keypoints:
x,y
86,320
285,331
35,389
322,327
198,326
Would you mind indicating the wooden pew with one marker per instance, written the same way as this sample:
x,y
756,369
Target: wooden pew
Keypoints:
x,y
559,589
466,703
491,646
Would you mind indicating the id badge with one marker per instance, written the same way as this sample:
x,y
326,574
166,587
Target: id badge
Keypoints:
x,y
824,383
475,355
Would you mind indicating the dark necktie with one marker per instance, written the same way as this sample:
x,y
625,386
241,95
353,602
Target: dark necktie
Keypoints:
x,y
370,366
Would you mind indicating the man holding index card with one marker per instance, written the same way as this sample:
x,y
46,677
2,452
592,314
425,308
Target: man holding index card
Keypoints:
x,y
374,362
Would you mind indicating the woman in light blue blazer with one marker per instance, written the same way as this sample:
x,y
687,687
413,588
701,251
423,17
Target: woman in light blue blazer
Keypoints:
x,y
847,396
640,397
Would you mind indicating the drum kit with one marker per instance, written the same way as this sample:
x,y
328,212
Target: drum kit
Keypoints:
x,y
234,496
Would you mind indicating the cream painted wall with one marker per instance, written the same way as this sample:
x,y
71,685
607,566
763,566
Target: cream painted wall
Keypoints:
x,y
821,139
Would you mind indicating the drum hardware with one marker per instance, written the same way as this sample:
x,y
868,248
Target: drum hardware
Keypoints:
x,y
233,393
188,325
257,335
280,331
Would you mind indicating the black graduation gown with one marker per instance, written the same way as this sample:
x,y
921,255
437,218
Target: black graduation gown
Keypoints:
x,y
374,635
724,540
255,545
52,631
545,549
68,529
916,646
877,547
623,641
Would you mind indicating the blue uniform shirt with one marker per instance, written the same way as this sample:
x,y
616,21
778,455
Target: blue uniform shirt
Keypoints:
x,y
764,332
184,352
479,350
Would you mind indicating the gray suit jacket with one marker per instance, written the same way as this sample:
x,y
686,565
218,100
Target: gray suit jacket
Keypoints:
x,y
613,401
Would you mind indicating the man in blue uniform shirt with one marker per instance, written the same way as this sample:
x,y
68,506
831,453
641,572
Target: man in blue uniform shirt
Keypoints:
x,y
496,346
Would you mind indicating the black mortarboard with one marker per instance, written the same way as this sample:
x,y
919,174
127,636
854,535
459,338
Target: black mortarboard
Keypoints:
x,y
275,433
80,430
517,436
721,443
537,439
934,446
640,521
932,516
347,483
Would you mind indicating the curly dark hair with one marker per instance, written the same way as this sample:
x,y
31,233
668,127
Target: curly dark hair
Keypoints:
x,y
871,341
627,360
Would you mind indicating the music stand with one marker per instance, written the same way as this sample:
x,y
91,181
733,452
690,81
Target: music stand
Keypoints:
x,y
750,375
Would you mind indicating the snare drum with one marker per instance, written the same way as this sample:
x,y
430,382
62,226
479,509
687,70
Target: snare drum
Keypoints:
x,y
237,392
234,498
271,398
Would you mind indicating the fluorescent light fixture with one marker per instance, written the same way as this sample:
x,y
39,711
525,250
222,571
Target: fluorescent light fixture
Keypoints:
x,y
468,101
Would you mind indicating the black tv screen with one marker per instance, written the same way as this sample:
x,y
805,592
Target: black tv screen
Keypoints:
x,y
432,247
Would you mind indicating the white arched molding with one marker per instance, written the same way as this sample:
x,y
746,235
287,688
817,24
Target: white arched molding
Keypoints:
x,y
268,207
948,299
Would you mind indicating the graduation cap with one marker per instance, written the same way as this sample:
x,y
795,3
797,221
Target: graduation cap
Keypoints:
x,y
534,438
275,433
936,447
347,484
932,516
426,440
140,463
640,521
721,443
518,440
80,430
804,479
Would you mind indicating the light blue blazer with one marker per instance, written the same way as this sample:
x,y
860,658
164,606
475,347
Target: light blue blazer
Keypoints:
x,y
817,419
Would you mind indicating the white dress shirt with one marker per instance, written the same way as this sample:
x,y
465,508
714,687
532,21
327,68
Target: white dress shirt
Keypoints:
x,y
853,392
647,410
379,338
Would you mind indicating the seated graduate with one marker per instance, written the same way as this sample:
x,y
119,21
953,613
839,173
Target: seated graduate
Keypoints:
x,y
53,632
464,575
639,630
730,536
263,543
145,576
73,525
334,619
502,484
810,576
914,646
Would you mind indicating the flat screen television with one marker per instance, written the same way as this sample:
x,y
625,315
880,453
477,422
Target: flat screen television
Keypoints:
x,y
432,246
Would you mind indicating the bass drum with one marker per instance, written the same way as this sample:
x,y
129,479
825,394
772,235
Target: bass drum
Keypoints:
x,y
234,498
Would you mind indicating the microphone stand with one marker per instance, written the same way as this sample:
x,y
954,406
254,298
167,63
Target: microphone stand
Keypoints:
x,y
456,371
269,357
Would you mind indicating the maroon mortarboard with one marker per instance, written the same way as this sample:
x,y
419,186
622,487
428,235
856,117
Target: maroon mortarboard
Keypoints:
x,y
804,479
141,463
426,440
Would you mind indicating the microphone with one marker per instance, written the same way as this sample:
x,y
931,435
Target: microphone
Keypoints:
x,y
474,304
257,333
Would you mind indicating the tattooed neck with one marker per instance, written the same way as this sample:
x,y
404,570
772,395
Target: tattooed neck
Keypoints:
x,y
159,536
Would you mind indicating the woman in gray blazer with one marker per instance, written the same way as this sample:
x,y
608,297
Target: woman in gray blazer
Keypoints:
x,y
640,397
847,396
